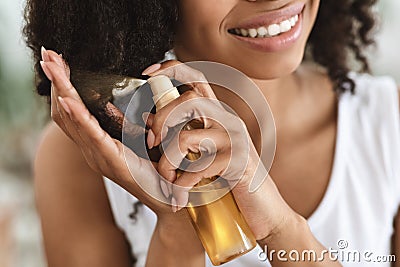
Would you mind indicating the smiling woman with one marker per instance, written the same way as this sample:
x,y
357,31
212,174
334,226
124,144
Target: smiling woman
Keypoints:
x,y
334,174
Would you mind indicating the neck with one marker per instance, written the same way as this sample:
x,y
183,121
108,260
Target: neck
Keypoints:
x,y
282,90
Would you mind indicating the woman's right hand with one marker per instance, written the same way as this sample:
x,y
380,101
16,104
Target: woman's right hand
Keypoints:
x,y
103,154
110,158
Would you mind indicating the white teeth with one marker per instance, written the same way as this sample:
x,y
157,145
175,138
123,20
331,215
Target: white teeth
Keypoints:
x,y
262,31
274,29
285,26
292,21
253,33
269,30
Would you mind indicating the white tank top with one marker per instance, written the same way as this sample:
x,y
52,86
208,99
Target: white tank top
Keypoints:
x,y
355,216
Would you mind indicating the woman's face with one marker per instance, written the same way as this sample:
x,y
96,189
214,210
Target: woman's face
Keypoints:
x,y
265,39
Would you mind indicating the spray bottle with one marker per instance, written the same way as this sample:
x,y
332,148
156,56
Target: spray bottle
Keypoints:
x,y
223,231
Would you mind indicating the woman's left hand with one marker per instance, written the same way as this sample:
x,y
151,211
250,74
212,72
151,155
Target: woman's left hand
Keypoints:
x,y
228,146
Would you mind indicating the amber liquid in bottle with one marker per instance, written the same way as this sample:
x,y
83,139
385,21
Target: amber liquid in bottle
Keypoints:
x,y
223,231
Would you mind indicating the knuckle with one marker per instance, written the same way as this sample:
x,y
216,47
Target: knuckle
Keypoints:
x,y
188,95
199,76
100,139
157,122
184,138
161,163
172,63
86,118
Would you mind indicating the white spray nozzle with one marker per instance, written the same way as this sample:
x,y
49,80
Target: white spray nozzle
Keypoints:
x,y
160,84
163,89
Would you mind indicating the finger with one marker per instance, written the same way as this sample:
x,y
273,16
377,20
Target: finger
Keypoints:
x,y
159,127
44,53
70,128
51,56
55,111
61,115
148,118
61,82
187,180
129,129
85,123
54,57
183,109
186,75
198,143
74,134
87,129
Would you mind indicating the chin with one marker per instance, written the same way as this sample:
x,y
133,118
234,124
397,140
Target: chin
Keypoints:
x,y
271,68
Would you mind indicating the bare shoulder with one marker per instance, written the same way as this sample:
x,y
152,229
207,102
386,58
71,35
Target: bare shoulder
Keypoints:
x,y
77,222
56,150
60,168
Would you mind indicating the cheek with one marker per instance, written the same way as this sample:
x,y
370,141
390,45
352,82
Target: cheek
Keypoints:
x,y
199,27
198,20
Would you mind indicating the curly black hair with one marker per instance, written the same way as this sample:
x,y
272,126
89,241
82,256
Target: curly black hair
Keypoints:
x,y
342,31
100,36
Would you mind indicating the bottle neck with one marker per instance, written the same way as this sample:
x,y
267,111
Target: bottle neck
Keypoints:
x,y
166,98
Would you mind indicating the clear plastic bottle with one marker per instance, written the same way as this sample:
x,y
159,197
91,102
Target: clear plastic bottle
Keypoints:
x,y
223,231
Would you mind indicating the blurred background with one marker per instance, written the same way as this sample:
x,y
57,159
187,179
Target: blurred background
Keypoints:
x,y
23,115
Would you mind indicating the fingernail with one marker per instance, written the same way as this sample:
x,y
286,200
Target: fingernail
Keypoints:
x,y
150,139
151,69
45,54
64,105
174,206
164,189
46,70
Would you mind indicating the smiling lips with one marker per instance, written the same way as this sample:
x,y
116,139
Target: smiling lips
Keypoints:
x,y
272,31
268,30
